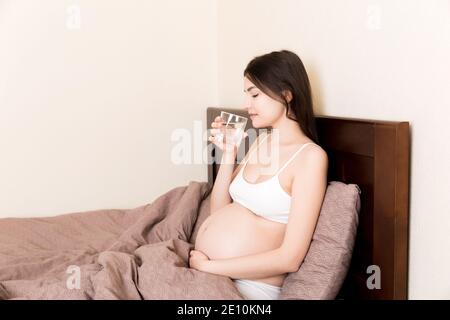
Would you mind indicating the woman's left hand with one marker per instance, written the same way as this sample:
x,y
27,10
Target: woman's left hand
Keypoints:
x,y
197,259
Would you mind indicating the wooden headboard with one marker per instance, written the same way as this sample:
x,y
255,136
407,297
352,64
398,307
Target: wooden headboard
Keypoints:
x,y
374,155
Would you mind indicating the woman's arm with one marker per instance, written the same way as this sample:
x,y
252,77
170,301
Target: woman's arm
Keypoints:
x,y
220,196
308,193
254,266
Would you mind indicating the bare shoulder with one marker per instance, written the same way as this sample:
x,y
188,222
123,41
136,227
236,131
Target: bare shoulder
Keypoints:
x,y
309,170
313,156
314,153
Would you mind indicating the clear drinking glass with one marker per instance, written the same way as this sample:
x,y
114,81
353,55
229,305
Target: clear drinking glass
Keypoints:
x,y
233,129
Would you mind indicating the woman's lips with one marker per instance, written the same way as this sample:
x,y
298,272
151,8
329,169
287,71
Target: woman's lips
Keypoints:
x,y
252,116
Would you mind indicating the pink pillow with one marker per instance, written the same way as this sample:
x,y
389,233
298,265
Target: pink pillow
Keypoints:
x,y
326,264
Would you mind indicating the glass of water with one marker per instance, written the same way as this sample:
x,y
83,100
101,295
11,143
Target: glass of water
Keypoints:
x,y
233,129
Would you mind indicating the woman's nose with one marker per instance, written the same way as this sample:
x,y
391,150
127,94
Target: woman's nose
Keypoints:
x,y
247,104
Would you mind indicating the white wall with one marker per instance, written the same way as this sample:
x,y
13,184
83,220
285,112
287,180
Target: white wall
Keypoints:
x,y
86,115
385,60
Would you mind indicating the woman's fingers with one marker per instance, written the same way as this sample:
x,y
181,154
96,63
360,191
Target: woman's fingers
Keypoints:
x,y
216,141
217,124
216,131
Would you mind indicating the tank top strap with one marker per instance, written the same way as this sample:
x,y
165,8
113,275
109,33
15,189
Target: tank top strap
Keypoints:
x,y
245,162
293,156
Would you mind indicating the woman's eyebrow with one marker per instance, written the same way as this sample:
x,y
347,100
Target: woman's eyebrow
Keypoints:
x,y
250,88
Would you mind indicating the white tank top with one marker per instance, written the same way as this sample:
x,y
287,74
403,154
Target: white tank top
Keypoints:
x,y
267,199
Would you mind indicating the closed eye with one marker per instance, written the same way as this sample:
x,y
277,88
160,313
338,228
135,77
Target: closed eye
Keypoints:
x,y
255,95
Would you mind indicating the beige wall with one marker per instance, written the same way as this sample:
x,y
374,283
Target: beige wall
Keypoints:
x,y
385,60
86,114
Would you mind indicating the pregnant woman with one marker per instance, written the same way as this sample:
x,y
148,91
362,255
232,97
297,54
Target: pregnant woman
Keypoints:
x,y
262,219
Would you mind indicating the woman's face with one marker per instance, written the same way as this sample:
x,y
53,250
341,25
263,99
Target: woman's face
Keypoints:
x,y
263,110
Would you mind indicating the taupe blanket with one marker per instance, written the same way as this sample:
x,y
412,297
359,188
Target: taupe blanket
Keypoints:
x,y
140,253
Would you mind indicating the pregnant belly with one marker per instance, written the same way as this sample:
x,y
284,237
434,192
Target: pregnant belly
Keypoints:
x,y
235,231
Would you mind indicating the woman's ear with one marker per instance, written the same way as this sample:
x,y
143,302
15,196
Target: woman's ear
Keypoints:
x,y
288,95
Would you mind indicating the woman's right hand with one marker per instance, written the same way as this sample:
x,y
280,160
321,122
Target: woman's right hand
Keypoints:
x,y
218,137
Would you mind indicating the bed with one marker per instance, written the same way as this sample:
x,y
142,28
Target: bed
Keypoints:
x,y
143,252
374,155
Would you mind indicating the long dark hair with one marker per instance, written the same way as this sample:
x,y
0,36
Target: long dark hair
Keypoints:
x,y
275,72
